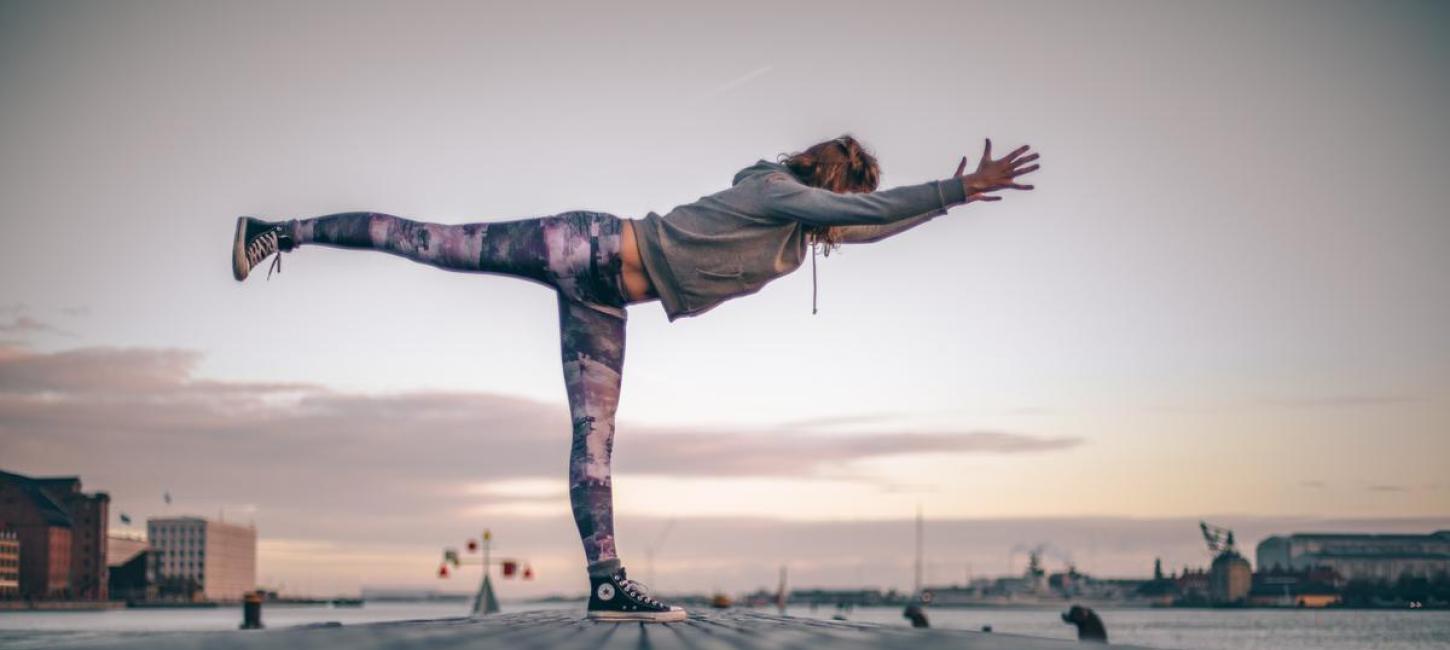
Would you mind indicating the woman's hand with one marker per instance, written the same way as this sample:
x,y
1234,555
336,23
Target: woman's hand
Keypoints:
x,y
993,175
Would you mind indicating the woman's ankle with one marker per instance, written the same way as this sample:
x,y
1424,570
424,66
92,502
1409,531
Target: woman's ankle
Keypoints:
x,y
604,568
293,228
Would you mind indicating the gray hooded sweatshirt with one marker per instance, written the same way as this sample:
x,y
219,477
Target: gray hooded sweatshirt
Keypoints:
x,y
733,242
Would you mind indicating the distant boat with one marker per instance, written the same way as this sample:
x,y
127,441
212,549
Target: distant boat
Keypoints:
x,y
172,604
721,601
346,602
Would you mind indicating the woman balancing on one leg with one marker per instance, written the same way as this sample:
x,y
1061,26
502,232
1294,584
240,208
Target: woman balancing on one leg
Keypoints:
x,y
725,245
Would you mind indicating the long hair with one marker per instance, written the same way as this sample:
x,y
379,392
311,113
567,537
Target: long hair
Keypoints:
x,y
840,165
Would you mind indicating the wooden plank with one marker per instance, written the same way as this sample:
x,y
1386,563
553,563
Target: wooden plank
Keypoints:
x,y
569,630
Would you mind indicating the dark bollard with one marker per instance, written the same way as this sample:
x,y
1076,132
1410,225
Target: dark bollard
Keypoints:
x,y
1090,628
915,614
987,629
252,611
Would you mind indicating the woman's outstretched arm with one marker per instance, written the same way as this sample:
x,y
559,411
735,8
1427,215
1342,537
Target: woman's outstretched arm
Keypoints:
x,y
988,177
788,198
875,233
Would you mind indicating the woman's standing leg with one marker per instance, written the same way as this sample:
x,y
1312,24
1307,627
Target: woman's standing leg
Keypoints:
x,y
592,345
592,320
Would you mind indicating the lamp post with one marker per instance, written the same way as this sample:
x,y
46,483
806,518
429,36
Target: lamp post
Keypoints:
x,y
484,602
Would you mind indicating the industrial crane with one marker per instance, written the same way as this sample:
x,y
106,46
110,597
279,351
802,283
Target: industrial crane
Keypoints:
x,y
1220,540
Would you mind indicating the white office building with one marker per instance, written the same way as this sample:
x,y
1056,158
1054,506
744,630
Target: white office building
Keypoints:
x,y
1359,556
221,558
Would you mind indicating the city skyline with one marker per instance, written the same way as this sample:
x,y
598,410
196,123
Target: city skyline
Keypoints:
x,y
1225,298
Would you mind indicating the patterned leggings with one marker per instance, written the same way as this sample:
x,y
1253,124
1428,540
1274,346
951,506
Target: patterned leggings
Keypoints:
x,y
576,253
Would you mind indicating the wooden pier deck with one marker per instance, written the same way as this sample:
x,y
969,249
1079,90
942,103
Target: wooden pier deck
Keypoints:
x,y
704,630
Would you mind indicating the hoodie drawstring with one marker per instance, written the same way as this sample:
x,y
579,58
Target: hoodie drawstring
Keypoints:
x,y
813,277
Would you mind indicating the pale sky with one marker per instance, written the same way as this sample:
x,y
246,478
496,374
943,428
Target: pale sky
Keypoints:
x,y
1226,298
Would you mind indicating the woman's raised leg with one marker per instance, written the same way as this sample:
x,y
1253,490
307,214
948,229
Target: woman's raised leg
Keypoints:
x,y
539,248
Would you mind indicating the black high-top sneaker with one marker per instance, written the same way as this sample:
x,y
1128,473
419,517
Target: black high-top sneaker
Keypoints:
x,y
255,240
617,598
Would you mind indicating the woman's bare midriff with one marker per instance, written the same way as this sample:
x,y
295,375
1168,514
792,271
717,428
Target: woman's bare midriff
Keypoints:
x,y
636,283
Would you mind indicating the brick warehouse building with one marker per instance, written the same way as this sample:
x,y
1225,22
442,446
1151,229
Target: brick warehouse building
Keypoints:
x,y
9,564
62,535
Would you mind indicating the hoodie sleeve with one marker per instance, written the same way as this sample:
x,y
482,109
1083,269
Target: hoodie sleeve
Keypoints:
x,y
788,198
875,233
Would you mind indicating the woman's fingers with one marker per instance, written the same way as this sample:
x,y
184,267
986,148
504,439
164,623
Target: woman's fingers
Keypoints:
x,y
1000,173
1001,186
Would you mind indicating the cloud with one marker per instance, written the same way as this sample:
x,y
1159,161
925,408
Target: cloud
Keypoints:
x,y
1032,410
1325,401
830,421
91,395
336,480
1388,488
136,422
91,371
23,325
1340,401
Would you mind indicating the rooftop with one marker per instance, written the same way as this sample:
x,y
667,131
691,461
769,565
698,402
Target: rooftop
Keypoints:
x,y
50,510
1437,536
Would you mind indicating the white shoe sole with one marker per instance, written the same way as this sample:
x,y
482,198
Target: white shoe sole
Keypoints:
x,y
645,617
239,251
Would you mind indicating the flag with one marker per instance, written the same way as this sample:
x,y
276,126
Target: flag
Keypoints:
x,y
472,546
450,556
126,519
509,568
528,572
443,570
167,497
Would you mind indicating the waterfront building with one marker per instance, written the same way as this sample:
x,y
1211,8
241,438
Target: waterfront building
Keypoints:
x,y
9,563
1230,578
90,515
1359,556
1310,588
62,535
1192,586
131,573
120,548
197,558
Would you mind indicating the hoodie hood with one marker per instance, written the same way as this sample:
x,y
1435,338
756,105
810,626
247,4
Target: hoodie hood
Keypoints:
x,y
761,167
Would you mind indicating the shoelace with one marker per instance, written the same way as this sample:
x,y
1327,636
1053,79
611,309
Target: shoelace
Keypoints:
x,y
639,592
260,247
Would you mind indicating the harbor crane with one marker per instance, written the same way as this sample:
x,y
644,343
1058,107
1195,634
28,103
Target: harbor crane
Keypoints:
x,y
1220,540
